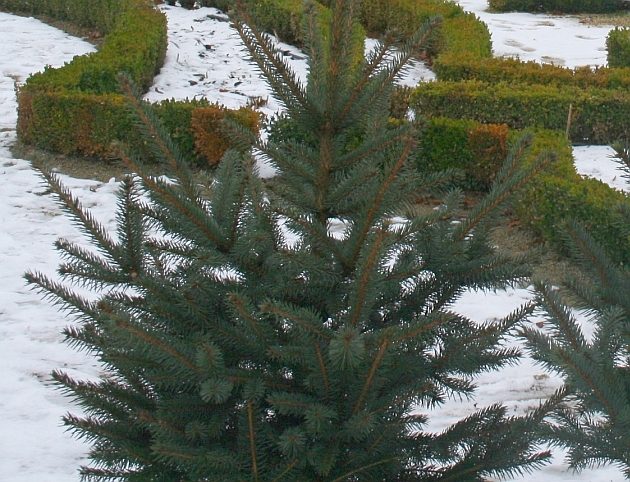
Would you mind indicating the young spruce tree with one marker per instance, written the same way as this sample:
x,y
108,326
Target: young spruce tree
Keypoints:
x,y
292,329
594,423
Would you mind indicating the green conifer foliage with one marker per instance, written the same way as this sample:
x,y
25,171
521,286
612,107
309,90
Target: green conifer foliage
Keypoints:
x,y
594,422
293,329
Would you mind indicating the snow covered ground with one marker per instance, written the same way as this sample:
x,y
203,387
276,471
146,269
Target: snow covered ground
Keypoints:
x,y
560,40
33,444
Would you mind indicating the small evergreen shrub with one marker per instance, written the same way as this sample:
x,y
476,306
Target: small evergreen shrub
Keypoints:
x,y
618,46
593,359
245,339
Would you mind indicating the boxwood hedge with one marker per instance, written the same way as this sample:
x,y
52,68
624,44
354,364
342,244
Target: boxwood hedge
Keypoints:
x,y
558,6
596,115
618,46
555,196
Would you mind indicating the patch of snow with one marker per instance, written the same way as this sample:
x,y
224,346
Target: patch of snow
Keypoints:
x,y
600,162
552,39
207,59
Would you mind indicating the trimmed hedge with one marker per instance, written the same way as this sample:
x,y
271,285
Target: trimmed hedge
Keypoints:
x,y
195,127
460,67
210,140
100,15
76,109
618,45
555,196
558,6
560,194
283,18
598,115
136,46
459,32
478,150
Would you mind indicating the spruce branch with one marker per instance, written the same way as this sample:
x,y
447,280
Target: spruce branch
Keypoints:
x,y
374,209
150,339
362,96
365,468
376,363
252,440
270,61
561,316
62,296
510,180
82,217
365,271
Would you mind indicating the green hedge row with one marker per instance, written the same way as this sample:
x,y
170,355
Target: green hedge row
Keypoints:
x,y
618,46
558,6
560,194
283,18
555,196
477,150
597,115
76,109
460,32
136,45
460,67
195,127
92,14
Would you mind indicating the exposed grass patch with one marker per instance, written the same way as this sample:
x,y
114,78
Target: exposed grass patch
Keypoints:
x,y
619,19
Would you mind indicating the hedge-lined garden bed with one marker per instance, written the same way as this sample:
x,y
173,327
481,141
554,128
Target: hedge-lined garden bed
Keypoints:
x,y
460,31
77,109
